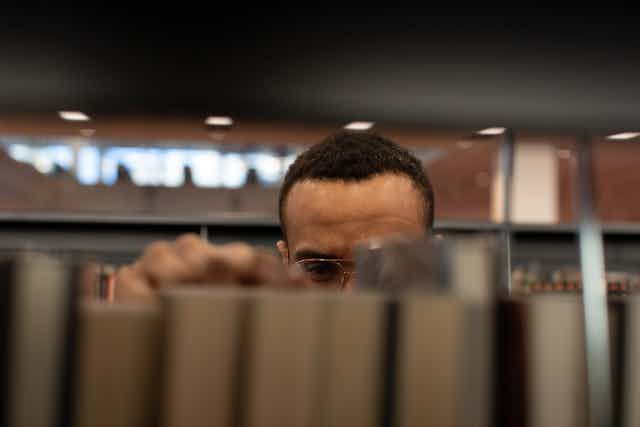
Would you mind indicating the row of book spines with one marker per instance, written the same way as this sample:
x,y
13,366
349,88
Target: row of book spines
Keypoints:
x,y
302,360
121,328
572,287
429,368
114,329
290,337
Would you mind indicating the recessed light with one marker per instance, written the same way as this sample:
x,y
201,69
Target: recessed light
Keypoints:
x,y
87,132
623,136
359,125
221,121
491,131
73,116
465,144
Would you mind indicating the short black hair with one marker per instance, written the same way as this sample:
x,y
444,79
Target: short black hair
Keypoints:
x,y
357,156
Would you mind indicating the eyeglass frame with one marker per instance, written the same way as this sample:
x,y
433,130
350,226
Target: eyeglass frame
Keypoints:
x,y
346,273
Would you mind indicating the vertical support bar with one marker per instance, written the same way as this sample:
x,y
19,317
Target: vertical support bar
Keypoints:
x,y
204,232
103,288
103,284
594,292
506,168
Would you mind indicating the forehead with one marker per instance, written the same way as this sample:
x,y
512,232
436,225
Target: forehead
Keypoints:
x,y
335,215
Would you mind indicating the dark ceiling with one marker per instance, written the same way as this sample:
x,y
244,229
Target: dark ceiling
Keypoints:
x,y
400,67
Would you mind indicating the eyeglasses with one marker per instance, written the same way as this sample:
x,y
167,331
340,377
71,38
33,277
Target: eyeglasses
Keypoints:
x,y
327,273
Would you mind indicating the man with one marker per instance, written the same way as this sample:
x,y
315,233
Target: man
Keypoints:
x,y
344,191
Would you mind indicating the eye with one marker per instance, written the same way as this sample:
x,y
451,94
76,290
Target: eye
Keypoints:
x,y
322,271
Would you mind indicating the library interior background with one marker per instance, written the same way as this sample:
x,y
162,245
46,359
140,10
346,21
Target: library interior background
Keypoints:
x,y
519,310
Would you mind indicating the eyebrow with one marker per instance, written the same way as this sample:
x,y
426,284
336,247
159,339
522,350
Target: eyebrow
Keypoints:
x,y
309,253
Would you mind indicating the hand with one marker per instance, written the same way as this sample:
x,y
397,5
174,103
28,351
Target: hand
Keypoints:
x,y
190,260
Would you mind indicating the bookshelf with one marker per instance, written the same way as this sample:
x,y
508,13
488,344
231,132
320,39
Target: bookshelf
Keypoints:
x,y
122,237
586,244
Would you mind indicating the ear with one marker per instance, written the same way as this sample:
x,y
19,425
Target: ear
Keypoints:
x,y
284,251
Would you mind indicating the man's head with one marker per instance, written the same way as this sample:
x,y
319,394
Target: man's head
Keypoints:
x,y
349,188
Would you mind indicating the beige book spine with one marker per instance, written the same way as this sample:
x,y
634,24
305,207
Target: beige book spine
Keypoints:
x,y
202,335
557,381
631,393
37,339
429,345
474,282
282,355
350,373
117,371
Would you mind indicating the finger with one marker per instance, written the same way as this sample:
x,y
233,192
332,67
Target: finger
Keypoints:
x,y
162,266
253,266
130,285
256,266
196,254
225,264
213,264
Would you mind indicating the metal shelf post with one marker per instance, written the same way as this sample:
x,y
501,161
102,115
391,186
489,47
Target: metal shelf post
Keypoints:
x,y
594,292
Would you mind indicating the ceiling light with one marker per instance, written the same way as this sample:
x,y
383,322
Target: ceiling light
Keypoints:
x,y
465,144
623,136
87,132
221,121
73,116
359,125
491,131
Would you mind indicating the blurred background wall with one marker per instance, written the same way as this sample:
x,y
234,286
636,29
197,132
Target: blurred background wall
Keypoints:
x,y
145,165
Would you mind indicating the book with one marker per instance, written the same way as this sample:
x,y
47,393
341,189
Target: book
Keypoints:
x,y
203,334
430,346
351,363
117,374
510,386
37,297
557,378
617,313
282,356
470,273
631,384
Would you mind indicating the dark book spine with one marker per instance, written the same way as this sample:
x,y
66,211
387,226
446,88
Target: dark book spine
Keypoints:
x,y
617,344
510,408
7,272
67,381
390,352
241,380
